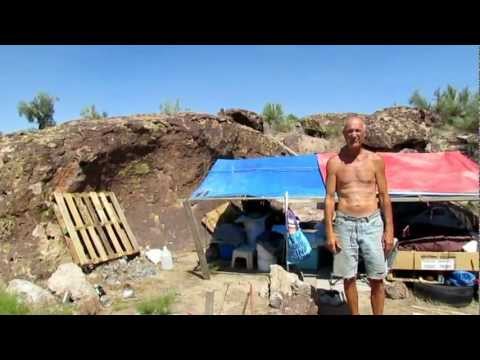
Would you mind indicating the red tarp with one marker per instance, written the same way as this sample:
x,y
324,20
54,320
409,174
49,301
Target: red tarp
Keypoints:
x,y
442,173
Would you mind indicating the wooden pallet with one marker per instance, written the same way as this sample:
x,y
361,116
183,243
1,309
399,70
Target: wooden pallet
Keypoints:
x,y
96,226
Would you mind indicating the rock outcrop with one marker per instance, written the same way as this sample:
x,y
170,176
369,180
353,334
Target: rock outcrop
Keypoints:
x,y
150,162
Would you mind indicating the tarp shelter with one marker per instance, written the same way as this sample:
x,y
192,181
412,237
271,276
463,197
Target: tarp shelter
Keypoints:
x,y
440,176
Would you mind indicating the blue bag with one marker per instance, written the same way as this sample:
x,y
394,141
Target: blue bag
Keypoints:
x,y
461,278
298,247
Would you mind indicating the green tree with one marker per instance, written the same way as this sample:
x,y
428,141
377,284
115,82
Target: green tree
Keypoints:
x,y
90,112
272,113
456,108
169,108
419,101
40,110
292,118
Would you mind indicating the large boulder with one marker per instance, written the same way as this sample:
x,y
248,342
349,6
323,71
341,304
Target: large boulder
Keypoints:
x,y
322,125
30,293
304,144
70,278
151,162
243,117
397,128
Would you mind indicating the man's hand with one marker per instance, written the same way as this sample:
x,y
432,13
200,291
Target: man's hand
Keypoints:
x,y
332,244
387,242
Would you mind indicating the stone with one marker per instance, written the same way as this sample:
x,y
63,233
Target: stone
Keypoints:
x,y
128,292
397,290
276,300
281,283
301,288
69,277
304,144
264,292
36,188
53,230
243,117
89,306
39,231
30,293
281,280
397,128
299,305
105,300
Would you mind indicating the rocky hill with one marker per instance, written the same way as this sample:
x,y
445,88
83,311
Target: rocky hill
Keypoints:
x,y
152,162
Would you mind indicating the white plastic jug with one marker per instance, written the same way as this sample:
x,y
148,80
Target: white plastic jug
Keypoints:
x,y
167,261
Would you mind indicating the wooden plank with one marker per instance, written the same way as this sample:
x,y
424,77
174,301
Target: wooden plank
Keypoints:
x,y
62,207
86,226
209,303
123,219
224,298
68,240
104,219
90,228
196,237
245,304
252,299
113,218
96,221
78,222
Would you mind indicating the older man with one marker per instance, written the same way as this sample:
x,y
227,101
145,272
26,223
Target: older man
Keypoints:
x,y
356,175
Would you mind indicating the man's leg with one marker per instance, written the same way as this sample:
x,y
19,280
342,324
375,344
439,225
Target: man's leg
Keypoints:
x,y
374,258
350,287
377,296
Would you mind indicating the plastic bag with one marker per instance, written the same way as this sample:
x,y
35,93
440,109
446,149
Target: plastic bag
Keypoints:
x,y
461,278
298,247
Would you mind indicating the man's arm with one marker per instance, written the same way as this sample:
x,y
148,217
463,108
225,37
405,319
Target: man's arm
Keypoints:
x,y
385,203
330,206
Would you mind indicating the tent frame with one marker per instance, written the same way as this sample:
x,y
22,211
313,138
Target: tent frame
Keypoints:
x,y
195,226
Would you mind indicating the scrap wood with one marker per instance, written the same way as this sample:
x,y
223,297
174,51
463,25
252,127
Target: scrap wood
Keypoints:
x,y
209,302
244,311
227,211
224,298
252,297
249,297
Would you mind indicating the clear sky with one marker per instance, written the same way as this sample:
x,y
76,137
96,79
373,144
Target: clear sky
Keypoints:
x,y
123,80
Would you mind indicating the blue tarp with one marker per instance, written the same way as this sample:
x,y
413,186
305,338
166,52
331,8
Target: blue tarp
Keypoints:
x,y
267,177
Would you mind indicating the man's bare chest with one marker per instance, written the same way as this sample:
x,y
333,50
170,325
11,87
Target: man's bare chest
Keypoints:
x,y
356,172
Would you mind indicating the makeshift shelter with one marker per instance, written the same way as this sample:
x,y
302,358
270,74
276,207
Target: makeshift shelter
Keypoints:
x,y
443,176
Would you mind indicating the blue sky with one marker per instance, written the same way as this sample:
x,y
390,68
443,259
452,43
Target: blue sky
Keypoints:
x,y
123,80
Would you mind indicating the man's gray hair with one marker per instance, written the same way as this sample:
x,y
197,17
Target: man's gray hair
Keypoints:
x,y
361,118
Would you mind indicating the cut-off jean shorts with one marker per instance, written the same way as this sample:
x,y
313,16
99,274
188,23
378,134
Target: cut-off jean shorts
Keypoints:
x,y
354,233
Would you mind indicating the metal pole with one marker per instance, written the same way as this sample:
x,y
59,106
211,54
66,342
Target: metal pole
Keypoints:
x,y
285,202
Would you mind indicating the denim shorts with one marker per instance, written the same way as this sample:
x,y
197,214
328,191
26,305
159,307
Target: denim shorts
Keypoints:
x,y
359,233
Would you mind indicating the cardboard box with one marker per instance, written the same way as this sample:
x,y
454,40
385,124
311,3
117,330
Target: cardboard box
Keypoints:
x,y
404,260
466,261
436,261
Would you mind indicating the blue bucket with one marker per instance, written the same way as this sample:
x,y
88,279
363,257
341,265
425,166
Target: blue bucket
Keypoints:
x,y
226,251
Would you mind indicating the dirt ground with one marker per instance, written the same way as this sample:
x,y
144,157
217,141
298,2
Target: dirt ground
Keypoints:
x,y
191,290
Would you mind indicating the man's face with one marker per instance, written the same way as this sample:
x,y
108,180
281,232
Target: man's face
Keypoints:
x,y
354,133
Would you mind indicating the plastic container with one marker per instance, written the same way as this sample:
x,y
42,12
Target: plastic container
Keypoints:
x,y
226,251
167,260
264,259
264,265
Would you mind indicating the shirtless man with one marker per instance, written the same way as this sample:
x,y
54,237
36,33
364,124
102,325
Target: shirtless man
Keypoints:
x,y
356,175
